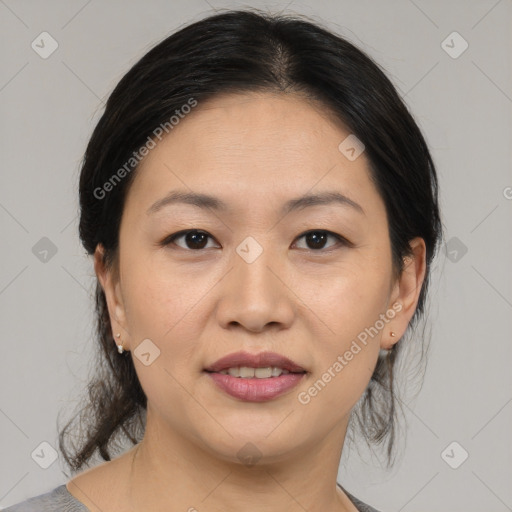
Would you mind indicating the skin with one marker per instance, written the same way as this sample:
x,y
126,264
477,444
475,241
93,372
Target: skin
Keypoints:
x,y
254,152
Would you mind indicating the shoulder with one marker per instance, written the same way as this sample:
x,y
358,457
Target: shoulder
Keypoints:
x,y
90,491
56,500
103,487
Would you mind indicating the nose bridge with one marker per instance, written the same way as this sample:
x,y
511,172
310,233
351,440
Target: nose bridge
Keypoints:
x,y
253,296
254,274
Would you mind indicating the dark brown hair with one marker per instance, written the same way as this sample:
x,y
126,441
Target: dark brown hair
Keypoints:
x,y
239,51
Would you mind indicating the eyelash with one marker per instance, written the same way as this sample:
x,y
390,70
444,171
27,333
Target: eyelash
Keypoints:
x,y
341,240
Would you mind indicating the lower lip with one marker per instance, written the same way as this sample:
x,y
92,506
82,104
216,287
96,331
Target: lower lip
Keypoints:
x,y
256,390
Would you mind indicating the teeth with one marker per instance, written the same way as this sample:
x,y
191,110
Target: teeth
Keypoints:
x,y
263,373
245,372
277,371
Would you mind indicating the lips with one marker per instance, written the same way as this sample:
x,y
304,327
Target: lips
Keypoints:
x,y
261,360
256,390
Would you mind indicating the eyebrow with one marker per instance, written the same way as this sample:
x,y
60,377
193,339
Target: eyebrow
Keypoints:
x,y
206,201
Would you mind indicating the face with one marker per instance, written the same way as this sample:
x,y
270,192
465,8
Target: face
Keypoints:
x,y
262,272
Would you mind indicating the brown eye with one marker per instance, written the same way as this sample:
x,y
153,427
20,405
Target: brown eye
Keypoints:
x,y
193,239
317,239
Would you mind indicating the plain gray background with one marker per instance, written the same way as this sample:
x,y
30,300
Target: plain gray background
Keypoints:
x,y
463,105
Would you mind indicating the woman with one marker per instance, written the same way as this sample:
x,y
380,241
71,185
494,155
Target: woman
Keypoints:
x,y
262,210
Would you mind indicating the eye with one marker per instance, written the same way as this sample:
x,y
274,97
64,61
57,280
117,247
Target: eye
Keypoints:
x,y
193,239
316,239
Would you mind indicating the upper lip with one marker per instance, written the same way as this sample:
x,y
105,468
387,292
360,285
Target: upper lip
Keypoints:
x,y
261,360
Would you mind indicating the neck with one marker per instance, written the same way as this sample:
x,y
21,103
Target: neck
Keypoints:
x,y
173,471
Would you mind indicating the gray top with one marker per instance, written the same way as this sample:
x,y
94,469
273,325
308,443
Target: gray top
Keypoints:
x,y
61,500
57,500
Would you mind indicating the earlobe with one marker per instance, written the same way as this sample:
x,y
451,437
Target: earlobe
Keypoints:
x,y
406,292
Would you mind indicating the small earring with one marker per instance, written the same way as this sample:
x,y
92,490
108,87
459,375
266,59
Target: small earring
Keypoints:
x,y
392,334
119,346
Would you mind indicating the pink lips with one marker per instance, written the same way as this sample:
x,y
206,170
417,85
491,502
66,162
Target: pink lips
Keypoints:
x,y
254,389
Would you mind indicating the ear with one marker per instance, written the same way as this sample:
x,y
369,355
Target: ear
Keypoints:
x,y
109,280
406,292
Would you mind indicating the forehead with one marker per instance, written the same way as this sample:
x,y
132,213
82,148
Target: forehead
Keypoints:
x,y
261,124
255,144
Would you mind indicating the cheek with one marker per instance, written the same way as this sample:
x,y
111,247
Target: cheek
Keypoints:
x,y
166,305
160,307
345,301
348,329
158,299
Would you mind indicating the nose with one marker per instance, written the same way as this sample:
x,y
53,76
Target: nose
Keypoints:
x,y
255,296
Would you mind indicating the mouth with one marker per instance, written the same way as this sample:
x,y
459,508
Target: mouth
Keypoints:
x,y
245,362
247,372
255,377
